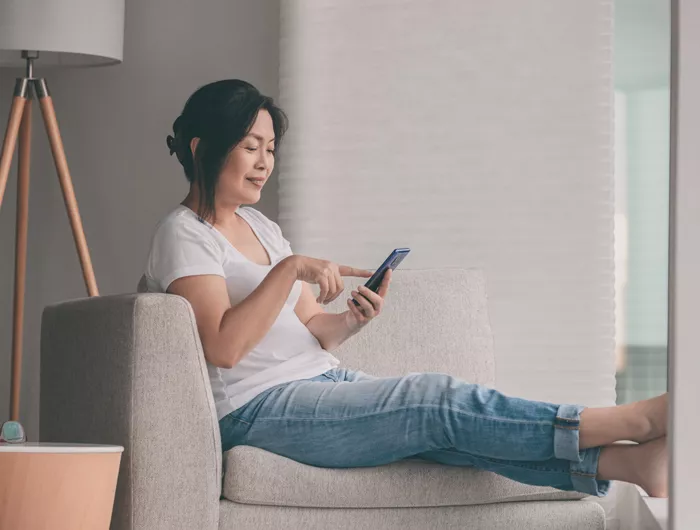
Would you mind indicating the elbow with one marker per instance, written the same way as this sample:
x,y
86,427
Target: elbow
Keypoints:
x,y
222,363
229,359
226,358
326,347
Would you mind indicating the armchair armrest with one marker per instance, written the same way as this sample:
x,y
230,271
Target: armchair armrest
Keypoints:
x,y
129,370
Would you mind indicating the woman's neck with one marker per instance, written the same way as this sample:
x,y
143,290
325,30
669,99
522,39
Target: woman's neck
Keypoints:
x,y
225,214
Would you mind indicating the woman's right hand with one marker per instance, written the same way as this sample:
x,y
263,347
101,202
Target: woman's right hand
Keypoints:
x,y
326,274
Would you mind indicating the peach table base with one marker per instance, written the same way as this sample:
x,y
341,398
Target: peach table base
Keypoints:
x,y
57,491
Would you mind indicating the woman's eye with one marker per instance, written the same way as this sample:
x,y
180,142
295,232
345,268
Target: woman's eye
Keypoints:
x,y
251,149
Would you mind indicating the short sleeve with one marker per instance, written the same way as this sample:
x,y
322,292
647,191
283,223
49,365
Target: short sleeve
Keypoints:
x,y
181,248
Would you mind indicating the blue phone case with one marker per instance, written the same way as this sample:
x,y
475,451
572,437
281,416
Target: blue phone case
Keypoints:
x,y
393,261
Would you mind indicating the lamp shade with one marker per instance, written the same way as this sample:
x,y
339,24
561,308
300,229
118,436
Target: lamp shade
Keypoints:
x,y
66,33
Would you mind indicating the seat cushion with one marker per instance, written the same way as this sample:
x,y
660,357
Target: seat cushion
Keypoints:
x,y
545,515
256,476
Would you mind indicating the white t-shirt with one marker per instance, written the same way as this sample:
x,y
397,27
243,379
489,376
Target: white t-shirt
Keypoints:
x,y
182,245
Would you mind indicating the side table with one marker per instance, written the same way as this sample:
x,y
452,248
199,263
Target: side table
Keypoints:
x,y
57,486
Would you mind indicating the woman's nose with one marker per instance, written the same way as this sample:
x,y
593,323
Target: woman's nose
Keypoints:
x,y
264,161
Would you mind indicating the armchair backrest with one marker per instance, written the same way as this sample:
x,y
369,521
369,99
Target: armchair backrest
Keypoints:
x,y
434,320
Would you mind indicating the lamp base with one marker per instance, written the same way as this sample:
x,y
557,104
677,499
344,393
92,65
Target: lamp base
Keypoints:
x,y
12,432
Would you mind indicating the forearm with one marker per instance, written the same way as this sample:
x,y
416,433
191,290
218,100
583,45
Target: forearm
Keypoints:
x,y
330,329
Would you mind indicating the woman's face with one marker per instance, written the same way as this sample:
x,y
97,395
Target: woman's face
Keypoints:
x,y
249,164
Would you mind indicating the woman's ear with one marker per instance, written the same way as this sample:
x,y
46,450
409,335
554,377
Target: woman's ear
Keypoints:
x,y
193,145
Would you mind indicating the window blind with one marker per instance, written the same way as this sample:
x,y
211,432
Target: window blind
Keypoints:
x,y
480,135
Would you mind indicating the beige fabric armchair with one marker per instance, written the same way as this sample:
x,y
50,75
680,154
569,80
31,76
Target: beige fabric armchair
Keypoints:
x,y
129,370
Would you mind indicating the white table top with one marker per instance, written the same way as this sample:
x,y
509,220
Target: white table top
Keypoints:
x,y
47,447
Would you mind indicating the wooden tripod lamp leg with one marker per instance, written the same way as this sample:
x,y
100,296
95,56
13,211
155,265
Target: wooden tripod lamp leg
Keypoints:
x,y
14,123
59,158
25,136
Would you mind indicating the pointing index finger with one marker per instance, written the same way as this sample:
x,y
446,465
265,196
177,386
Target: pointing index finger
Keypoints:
x,y
352,271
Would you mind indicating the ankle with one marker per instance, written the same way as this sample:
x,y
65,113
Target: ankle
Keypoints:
x,y
640,427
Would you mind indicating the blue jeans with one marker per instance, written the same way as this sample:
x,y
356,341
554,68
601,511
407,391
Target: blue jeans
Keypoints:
x,y
345,418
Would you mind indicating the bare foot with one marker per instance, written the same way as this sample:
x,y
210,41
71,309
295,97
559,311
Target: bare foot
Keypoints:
x,y
650,467
654,417
641,421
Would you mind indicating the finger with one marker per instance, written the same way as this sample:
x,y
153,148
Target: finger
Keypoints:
x,y
352,271
373,297
339,286
356,311
386,280
365,304
331,289
323,284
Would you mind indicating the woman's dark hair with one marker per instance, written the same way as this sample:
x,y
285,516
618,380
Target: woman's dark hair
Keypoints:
x,y
220,114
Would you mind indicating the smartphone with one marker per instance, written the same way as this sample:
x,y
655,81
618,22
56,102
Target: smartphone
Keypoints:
x,y
396,257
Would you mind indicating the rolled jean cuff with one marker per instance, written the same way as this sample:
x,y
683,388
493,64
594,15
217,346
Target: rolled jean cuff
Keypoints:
x,y
584,464
583,474
566,440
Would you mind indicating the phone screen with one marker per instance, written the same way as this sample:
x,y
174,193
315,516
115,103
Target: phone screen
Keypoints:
x,y
391,262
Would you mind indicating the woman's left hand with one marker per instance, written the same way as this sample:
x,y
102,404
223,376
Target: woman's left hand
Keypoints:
x,y
371,304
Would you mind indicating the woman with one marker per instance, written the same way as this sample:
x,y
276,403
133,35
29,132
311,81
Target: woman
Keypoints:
x,y
267,340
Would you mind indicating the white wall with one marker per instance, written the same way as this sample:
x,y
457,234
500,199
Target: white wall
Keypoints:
x,y
684,345
480,135
114,122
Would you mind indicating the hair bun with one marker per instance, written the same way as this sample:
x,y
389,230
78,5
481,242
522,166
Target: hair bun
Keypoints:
x,y
170,140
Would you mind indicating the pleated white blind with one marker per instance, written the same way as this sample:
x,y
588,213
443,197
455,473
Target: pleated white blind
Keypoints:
x,y
480,135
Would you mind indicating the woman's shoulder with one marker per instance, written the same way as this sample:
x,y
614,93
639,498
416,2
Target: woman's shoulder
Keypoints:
x,y
180,215
179,222
181,245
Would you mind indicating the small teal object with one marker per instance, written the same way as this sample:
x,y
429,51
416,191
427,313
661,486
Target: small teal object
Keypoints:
x,y
12,432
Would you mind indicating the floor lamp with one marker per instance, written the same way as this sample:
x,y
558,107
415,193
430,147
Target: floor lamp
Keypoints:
x,y
63,34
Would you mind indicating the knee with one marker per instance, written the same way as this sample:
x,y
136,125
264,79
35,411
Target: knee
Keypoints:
x,y
433,387
449,391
